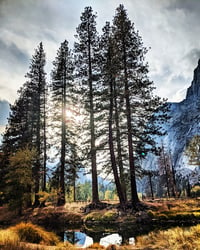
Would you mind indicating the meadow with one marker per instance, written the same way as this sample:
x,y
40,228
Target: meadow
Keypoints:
x,y
27,236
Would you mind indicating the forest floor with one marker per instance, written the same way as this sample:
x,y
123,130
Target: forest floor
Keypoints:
x,y
171,212
80,212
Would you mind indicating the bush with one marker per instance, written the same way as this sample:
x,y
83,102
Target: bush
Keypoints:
x,y
93,216
34,234
8,237
151,213
108,216
195,191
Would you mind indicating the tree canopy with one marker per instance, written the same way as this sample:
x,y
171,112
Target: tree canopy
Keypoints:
x,y
104,81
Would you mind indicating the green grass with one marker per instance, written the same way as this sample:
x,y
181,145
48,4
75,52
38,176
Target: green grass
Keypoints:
x,y
101,216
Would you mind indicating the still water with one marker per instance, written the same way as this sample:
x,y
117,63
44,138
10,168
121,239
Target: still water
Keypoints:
x,y
121,234
104,235
83,240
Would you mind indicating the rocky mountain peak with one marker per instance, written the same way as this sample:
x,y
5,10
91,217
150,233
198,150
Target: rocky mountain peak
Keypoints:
x,y
194,90
180,129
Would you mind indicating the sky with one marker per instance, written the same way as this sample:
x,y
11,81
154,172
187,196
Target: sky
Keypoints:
x,y
169,29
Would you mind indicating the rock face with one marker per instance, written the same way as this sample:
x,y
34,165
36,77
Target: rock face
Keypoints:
x,y
193,91
182,126
184,122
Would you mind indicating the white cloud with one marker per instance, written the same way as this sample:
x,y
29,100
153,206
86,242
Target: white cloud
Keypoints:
x,y
170,28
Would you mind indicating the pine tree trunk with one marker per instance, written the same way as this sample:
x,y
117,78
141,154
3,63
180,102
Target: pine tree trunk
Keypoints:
x,y
95,194
188,189
37,183
166,171
74,185
42,204
134,195
151,186
61,191
38,145
119,149
45,146
174,189
112,154
28,200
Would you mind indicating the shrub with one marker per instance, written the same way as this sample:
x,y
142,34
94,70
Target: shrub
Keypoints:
x,y
101,217
195,191
197,215
94,216
8,237
34,234
110,216
151,213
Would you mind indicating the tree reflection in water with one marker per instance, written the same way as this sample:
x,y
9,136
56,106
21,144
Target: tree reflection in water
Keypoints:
x,y
78,238
83,240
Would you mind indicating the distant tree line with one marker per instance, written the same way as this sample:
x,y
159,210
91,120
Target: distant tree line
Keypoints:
x,y
98,111
167,181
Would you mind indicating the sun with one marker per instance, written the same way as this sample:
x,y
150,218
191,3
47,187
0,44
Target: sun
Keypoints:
x,y
69,114
74,116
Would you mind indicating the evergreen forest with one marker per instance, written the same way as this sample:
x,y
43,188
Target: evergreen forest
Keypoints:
x,y
97,114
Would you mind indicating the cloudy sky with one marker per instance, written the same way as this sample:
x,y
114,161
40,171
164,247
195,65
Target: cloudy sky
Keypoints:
x,y
170,28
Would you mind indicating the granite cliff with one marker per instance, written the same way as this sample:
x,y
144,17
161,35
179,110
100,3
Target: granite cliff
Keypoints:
x,y
181,127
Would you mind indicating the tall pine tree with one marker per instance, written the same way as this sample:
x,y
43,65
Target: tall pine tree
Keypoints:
x,y
140,105
87,68
61,89
26,124
108,105
36,84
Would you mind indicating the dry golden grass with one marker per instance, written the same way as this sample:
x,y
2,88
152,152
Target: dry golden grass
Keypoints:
x,y
75,206
23,235
34,234
96,246
9,240
176,239
172,209
173,239
8,237
112,247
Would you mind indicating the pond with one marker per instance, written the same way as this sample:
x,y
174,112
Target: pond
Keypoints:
x,y
83,240
120,234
